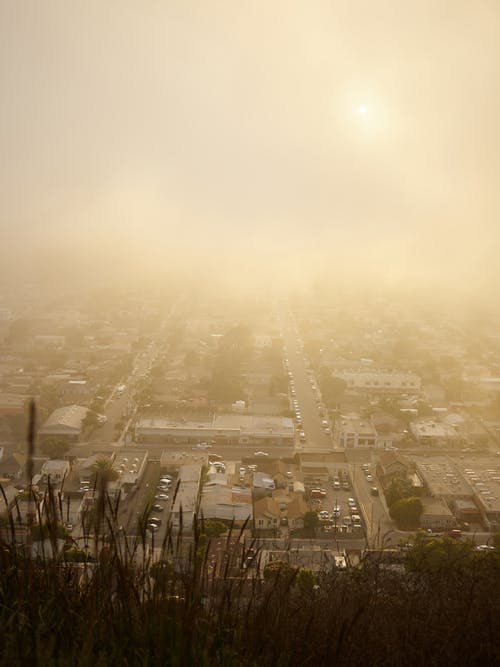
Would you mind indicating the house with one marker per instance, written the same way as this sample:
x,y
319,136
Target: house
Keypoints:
x,y
266,515
392,465
295,511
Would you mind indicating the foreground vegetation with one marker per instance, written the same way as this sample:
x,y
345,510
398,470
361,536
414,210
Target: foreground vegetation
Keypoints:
x,y
121,609
112,604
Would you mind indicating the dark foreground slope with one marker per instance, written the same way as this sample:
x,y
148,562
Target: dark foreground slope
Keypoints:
x,y
120,611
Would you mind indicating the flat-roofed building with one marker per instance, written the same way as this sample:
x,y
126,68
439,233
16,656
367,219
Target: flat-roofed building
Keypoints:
x,y
223,429
229,503
436,515
442,477
12,404
379,381
356,433
55,470
431,433
186,502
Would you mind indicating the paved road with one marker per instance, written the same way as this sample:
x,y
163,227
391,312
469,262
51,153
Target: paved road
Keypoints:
x,y
316,438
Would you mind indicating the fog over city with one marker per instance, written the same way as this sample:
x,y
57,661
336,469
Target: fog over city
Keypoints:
x,y
280,141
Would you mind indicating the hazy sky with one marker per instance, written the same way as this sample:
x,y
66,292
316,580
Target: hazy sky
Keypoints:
x,y
360,134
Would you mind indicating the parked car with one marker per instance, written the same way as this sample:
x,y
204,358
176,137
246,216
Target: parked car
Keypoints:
x,y
161,496
374,491
158,508
260,454
154,519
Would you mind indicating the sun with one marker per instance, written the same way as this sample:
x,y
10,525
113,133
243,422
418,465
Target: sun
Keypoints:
x,y
362,110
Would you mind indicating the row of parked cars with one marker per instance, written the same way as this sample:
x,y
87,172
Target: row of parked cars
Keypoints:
x,y
162,494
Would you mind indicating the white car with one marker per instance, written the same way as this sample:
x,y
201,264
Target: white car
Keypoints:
x,y
260,454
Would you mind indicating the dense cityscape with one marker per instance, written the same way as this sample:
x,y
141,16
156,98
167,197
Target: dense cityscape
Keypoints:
x,y
249,333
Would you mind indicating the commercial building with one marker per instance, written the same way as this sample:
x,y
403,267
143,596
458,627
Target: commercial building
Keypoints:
x,y
356,433
64,422
431,433
436,515
380,382
231,429
187,498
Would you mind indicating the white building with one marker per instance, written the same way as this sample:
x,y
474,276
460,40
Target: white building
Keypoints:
x,y
354,432
379,382
231,429
55,470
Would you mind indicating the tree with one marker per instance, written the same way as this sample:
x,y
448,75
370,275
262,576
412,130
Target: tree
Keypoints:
x,y
332,387
89,420
212,528
55,447
439,554
398,489
104,472
311,521
406,511
280,570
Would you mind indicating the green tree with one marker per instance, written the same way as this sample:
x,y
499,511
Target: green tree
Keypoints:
x,y
439,554
311,521
75,555
212,528
280,570
54,447
398,489
406,512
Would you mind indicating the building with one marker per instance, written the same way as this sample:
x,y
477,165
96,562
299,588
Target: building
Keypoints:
x,y
187,498
261,480
64,422
380,382
224,502
79,390
392,465
436,515
12,404
54,470
356,433
431,433
266,516
230,429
